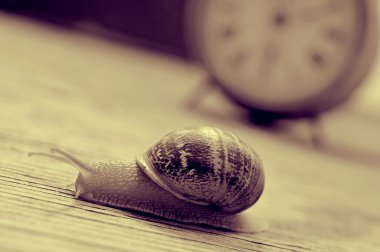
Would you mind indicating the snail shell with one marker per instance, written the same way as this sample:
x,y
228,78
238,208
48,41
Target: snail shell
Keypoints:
x,y
206,166
196,175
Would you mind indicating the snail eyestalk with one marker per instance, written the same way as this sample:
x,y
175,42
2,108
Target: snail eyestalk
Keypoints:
x,y
65,157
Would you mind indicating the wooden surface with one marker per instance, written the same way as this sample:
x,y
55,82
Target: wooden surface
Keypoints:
x,y
103,101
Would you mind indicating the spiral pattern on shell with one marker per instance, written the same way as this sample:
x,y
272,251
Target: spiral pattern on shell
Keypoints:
x,y
206,166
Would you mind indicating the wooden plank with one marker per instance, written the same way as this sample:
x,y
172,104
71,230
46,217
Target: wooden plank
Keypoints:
x,y
104,101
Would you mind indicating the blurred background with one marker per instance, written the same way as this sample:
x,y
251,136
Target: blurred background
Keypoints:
x,y
320,58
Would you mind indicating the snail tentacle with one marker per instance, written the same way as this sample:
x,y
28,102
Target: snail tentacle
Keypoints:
x,y
82,167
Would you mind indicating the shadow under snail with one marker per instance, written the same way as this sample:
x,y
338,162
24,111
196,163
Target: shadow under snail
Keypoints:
x,y
198,175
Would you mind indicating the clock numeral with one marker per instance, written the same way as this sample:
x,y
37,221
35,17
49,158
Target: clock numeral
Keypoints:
x,y
280,19
228,6
228,32
336,35
324,10
237,60
318,59
336,5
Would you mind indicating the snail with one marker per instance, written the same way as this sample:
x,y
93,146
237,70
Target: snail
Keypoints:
x,y
198,175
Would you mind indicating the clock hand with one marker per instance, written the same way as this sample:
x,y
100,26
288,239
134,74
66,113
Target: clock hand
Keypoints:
x,y
268,59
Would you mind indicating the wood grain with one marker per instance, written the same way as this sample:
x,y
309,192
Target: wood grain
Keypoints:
x,y
101,100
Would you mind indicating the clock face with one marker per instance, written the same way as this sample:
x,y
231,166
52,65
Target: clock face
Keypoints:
x,y
284,55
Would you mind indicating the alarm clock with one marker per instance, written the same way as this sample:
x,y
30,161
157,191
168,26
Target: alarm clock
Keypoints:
x,y
284,58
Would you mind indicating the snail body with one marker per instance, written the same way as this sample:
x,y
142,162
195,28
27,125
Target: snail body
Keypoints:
x,y
196,175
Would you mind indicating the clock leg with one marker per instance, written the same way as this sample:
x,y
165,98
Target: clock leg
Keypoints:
x,y
201,90
317,136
